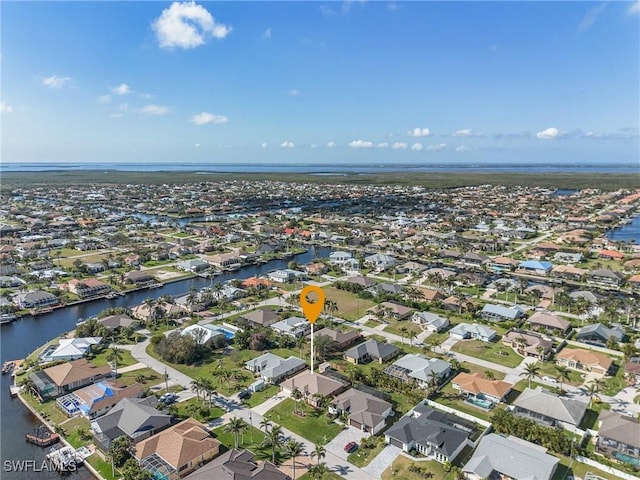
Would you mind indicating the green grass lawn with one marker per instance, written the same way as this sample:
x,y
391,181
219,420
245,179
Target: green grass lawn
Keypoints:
x,y
48,409
450,397
350,306
72,430
400,469
315,426
549,368
203,413
363,456
103,467
148,376
101,358
492,352
395,326
612,385
259,397
252,438
468,367
326,476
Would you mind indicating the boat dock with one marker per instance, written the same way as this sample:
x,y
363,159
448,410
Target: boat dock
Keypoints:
x,y
65,459
42,437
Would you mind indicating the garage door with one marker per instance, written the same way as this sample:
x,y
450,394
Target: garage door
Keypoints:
x,y
395,442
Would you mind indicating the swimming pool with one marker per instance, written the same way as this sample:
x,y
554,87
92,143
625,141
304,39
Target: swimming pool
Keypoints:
x,y
478,402
227,333
623,457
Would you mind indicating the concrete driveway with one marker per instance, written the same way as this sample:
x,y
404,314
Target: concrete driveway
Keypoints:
x,y
336,446
383,461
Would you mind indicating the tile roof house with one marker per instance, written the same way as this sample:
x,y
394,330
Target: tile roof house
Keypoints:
x,y
178,450
36,299
598,334
136,418
88,287
549,322
419,368
605,277
273,368
342,339
464,331
72,348
366,412
66,377
312,386
549,408
528,344
97,399
371,350
500,312
430,321
393,309
261,316
632,369
584,360
618,435
535,267
431,433
510,457
292,326
474,385
119,320
238,465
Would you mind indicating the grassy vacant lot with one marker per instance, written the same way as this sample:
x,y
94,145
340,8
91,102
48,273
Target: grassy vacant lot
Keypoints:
x,y
350,306
259,397
101,358
395,326
202,411
363,456
315,426
400,469
492,352
148,376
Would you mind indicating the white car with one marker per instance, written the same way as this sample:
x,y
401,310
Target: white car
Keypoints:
x,y
550,379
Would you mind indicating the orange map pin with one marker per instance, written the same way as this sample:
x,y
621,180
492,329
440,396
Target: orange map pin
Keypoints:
x,y
312,310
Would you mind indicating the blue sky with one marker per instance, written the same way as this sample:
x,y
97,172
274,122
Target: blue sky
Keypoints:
x,y
320,82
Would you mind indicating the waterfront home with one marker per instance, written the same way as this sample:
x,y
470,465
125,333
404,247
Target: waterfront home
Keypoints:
x,y
194,265
88,287
238,465
97,399
423,370
203,333
498,456
535,267
263,316
605,277
136,418
436,435
547,322
286,275
371,350
528,344
71,349
342,339
178,450
313,386
272,368
116,322
35,299
430,321
66,377
148,313
366,412
598,334
339,258
549,408
584,360
619,437
465,331
224,260
380,261
497,313
138,277
292,326
473,385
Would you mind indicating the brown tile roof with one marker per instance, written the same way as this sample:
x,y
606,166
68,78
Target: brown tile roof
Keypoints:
x,y
309,383
75,371
474,383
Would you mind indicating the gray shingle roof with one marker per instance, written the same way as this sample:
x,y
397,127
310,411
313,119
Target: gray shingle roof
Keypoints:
x,y
373,348
544,402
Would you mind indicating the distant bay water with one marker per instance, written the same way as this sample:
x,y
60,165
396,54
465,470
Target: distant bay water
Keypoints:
x,y
326,169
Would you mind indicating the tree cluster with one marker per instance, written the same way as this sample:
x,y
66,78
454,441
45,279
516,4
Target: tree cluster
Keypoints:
x,y
186,349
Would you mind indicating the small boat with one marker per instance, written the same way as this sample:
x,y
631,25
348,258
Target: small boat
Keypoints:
x,y
7,367
7,318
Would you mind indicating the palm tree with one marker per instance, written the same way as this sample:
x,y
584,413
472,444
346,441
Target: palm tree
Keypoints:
x,y
114,356
412,336
296,395
403,332
196,386
318,471
207,389
592,389
273,438
294,448
319,452
531,370
563,374
236,426
265,425
331,306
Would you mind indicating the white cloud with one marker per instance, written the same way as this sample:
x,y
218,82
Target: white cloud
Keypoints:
x,y
326,10
187,25
634,8
197,145
466,132
331,145
205,118
313,145
591,16
383,145
267,33
360,144
462,148
122,89
399,146
417,147
104,98
5,108
437,147
419,132
293,92
548,134
54,81
264,145
154,110
287,144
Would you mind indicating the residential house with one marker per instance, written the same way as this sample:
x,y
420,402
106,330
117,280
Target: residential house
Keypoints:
x,y
535,267
423,370
138,277
339,258
203,333
610,255
380,261
549,408
88,287
509,457
473,385
394,310
464,331
229,261
566,257
632,370
528,344
342,339
118,321
177,451
238,465
366,412
431,433
430,321
95,400
263,316
431,294
286,275
272,368
66,377
605,277
71,349
364,282
619,437
371,350
35,299
137,418
584,360
317,268
473,259
552,324
313,386
599,334
293,326
498,313
194,265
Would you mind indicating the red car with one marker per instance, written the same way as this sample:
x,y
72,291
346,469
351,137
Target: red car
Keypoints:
x,y
351,447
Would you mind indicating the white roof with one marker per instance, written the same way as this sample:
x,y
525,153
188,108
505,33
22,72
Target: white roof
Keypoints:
x,y
73,347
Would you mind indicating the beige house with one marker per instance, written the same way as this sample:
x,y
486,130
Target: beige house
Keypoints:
x,y
584,360
313,386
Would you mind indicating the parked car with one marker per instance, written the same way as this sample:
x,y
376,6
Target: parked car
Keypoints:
x,y
244,394
549,379
351,447
169,398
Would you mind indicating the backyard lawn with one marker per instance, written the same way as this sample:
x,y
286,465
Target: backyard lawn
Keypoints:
x,y
200,410
315,426
402,468
350,306
104,468
491,352
73,428
251,439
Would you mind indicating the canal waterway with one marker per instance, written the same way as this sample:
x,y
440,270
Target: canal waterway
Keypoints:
x,y
627,233
21,337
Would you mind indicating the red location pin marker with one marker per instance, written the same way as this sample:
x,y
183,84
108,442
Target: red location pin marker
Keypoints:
x,y
312,310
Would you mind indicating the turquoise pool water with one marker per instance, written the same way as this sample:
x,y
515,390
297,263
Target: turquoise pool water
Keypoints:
x,y
623,457
478,402
227,333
